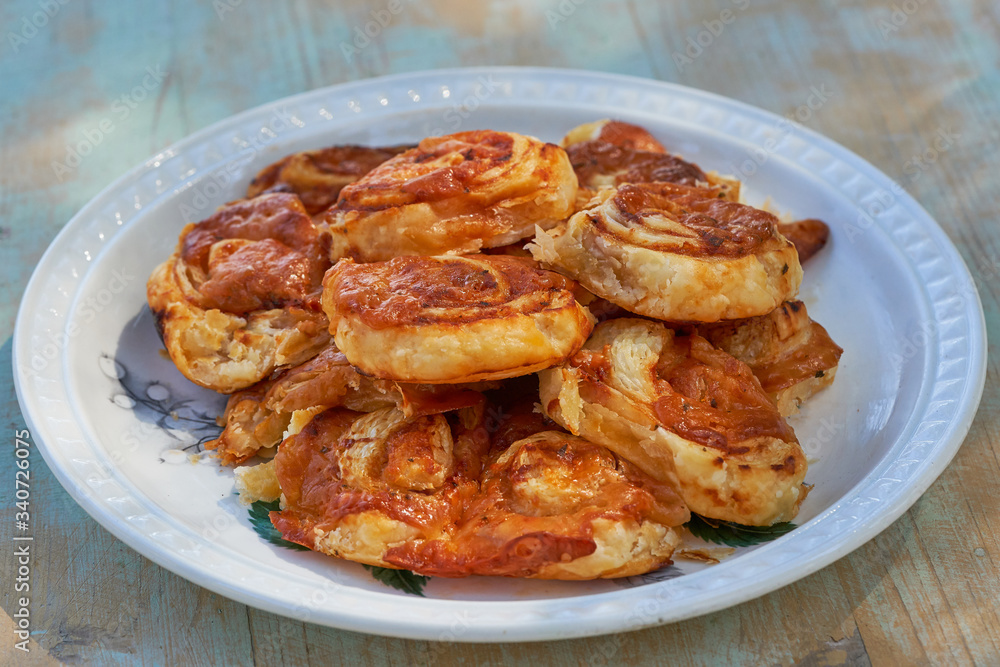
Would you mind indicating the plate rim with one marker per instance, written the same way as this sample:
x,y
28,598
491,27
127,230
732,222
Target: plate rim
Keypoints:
x,y
948,443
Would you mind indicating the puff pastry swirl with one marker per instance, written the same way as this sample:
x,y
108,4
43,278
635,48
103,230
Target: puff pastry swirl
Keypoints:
x,y
669,402
608,153
317,177
257,418
453,319
240,296
791,355
676,253
457,193
426,495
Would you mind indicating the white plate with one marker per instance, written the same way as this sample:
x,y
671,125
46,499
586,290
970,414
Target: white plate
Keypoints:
x,y
890,288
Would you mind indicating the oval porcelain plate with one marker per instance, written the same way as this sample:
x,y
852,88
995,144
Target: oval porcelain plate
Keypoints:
x,y
116,422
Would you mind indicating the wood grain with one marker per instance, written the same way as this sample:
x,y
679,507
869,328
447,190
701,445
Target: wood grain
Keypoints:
x,y
925,591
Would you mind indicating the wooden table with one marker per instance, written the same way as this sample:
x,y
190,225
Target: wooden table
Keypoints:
x,y
926,591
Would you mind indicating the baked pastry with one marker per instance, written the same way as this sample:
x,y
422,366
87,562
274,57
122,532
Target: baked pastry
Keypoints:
x,y
808,236
250,426
453,318
600,164
396,391
554,506
792,356
350,480
457,193
615,132
240,296
257,418
669,403
317,177
609,153
674,252
423,494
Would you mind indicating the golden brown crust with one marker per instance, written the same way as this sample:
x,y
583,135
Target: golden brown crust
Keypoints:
x,y
554,506
256,418
240,297
244,276
327,380
452,319
414,494
792,356
675,253
249,426
615,132
609,153
353,484
664,400
226,352
317,177
278,217
457,193
809,236
704,223
392,455
599,164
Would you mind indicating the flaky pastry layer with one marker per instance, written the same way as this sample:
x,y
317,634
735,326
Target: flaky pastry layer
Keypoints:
x,y
257,418
792,356
317,177
424,494
240,296
675,253
457,193
453,319
609,153
659,399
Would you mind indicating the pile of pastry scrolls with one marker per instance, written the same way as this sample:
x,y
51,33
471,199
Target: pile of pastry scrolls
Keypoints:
x,y
487,354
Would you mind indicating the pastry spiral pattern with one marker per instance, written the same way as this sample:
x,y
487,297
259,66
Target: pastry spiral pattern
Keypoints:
x,y
432,496
453,319
317,177
615,132
457,193
609,153
410,334
675,253
681,409
257,418
240,296
791,355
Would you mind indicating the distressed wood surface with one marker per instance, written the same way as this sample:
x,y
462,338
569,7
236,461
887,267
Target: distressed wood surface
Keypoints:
x,y
897,76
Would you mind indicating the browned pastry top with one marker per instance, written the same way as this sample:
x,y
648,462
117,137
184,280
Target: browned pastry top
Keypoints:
x,y
424,290
537,506
628,135
808,236
592,159
703,394
437,169
687,220
256,254
317,177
